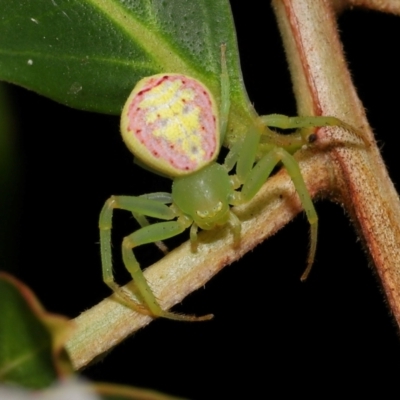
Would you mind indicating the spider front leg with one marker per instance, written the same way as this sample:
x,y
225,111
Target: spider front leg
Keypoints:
x,y
147,234
273,148
303,122
252,178
260,173
164,198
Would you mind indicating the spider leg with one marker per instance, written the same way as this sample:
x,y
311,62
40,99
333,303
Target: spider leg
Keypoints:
x,y
143,221
148,303
225,95
162,197
300,122
259,174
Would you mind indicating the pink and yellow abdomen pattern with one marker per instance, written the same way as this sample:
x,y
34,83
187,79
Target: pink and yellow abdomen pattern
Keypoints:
x,y
170,122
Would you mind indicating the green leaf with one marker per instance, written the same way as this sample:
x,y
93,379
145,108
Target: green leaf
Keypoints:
x,y
89,54
31,340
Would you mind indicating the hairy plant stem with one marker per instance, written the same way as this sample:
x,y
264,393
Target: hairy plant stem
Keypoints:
x,y
182,271
339,167
322,85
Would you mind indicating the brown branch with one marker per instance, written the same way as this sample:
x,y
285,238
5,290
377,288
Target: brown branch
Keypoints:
x,y
388,6
323,85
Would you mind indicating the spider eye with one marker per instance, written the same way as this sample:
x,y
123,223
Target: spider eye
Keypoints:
x,y
312,138
215,210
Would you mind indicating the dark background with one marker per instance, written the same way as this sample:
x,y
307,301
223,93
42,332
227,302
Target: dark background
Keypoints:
x,y
270,331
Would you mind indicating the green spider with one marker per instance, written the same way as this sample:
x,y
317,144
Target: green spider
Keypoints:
x,y
171,123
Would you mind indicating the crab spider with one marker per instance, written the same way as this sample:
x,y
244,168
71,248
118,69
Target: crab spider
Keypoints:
x,y
171,124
